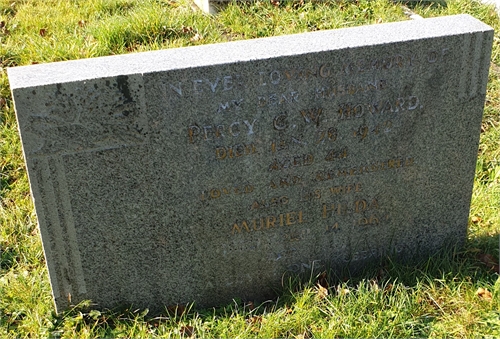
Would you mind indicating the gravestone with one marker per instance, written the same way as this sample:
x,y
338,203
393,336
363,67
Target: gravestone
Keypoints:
x,y
209,173
205,6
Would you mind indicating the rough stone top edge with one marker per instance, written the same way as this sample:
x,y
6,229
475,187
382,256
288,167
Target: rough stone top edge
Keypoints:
x,y
241,51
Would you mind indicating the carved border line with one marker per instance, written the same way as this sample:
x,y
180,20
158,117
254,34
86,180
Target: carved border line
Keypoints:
x,y
476,64
471,83
464,76
59,230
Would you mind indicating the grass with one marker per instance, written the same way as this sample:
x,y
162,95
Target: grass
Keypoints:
x,y
454,294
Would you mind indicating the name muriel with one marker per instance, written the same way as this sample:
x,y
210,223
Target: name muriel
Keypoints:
x,y
268,222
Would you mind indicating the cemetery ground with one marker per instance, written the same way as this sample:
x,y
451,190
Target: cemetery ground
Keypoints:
x,y
453,294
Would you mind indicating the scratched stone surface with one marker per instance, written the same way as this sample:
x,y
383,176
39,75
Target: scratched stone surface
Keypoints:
x,y
212,172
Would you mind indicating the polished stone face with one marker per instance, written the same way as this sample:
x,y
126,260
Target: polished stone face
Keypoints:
x,y
214,172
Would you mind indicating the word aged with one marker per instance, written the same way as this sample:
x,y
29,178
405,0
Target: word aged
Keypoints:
x,y
295,161
276,201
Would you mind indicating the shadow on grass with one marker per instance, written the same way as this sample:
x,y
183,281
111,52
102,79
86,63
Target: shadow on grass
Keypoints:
x,y
451,266
423,3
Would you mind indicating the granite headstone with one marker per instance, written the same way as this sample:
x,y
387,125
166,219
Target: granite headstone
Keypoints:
x,y
208,173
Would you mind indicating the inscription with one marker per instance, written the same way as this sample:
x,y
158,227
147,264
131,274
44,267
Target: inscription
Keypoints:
x,y
284,144
273,202
235,151
372,220
280,122
327,135
295,161
366,252
223,83
199,132
297,234
359,206
350,110
334,91
332,228
390,164
283,182
335,154
268,222
385,63
275,99
275,77
306,267
312,115
368,210
310,195
333,191
230,106
363,131
304,127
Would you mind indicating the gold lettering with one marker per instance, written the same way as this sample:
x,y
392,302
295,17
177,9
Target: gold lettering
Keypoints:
x,y
244,224
333,227
214,193
193,131
274,166
289,73
238,229
255,225
270,221
300,217
272,184
308,160
360,205
250,149
220,153
237,151
324,71
290,218
336,189
325,210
